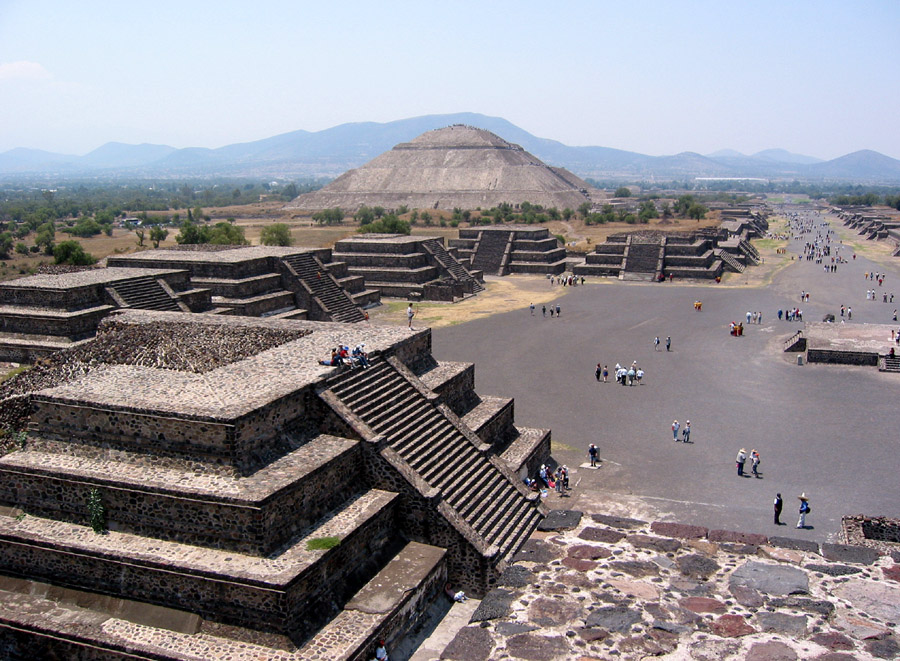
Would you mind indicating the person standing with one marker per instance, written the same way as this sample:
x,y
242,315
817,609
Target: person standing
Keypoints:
x,y
804,510
754,462
532,309
558,313
543,310
686,432
656,343
668,343
675,428
410,313
779,504
739,460
599,371
592,452
605,373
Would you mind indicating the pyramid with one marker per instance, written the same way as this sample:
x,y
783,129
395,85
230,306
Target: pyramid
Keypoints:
x,y
454,167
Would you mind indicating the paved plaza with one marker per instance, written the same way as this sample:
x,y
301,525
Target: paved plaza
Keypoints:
x,y
830,431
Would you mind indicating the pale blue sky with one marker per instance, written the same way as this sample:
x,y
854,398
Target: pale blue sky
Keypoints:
x,y
819,78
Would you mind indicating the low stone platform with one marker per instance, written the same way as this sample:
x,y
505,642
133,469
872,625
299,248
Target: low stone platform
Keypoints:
x,y
848,343
598,587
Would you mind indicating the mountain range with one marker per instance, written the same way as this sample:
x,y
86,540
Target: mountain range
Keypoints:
x,y
330,152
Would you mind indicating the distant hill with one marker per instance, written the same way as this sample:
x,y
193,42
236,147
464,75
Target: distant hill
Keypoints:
x,y
333,151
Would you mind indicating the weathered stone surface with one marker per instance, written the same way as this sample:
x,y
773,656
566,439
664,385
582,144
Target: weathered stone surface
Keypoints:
x,y
738,548
732,626
588,552
667,640
771,579
781,554
553,612
791,625
833,641
560,520
593,634
746,597
737,537
494,605
605,535
845,553
892,573
470,644
833,570
697,566
637,568
679,530
613,618
532,647
819,606
671,627
579,565
576,580
703,546
692,588
835,656
796,544
713,650
702,605
516,576
884,648
661,544
640,647
880,600
858,627
637,589
618,521
513,628
770,651
535,550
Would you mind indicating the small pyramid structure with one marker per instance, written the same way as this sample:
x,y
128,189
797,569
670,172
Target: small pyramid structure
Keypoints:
x,y
454,167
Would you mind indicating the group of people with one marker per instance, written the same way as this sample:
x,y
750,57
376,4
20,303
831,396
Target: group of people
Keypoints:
x,y
550,479
685,431
668,343
342,356
737,329
625,377
741,459
754,317
791,314
803,510
570,280
544,310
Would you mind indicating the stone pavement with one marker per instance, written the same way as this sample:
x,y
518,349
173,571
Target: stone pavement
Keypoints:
x,y
824,430
601,587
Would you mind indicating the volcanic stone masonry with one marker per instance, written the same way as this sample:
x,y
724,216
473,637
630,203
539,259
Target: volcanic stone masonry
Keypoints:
x,y
44,313
271,507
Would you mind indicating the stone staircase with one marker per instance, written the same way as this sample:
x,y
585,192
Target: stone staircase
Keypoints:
x,y
484,494
729,259
145,294
750,251
491,251
641,261
435,247
332,298
887,363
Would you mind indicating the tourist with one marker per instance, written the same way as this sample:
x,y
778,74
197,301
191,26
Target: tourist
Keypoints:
x,y
675,428
779,504
894,316
599,372
656,343
532,309
686,432
639,375
458,596
410,313
559,480
558,313
631,374
592,453
605,373
804,510
739,460
544,310
754,462
668,343
381,651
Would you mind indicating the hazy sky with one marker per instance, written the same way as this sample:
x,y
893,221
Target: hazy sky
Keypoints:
x,y
820,78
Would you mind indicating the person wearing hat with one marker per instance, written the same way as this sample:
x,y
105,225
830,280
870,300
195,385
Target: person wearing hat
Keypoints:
x,y
739,460
804,510
675,428
686,432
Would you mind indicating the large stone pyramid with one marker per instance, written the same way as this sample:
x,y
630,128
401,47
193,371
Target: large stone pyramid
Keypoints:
x,y
458,166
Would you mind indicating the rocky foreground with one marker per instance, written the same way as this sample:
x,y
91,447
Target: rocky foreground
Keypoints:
x,y
601,587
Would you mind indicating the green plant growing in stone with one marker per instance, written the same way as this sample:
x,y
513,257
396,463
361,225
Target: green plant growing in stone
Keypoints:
x,y
20,516
322,543
21,437
96,512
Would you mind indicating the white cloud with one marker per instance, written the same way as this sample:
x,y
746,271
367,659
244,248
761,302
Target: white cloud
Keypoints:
x,y
23,71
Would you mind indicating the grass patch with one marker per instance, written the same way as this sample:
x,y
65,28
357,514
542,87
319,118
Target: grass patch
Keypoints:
x,y
557,445
322,543
14,372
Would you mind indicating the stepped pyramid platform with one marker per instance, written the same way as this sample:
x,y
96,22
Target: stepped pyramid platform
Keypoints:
x,y
264,506
40,314
408,266
457,166
507,249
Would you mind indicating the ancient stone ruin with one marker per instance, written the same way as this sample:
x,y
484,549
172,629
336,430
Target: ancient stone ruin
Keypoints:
x,y
455,167
875,225
44,313
408,266
507,249
259,506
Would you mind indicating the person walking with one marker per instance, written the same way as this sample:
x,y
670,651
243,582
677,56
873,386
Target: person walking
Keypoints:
x,y
598,372
754,462
779,504
804,510
543,310
739,460
656,343
532,309
558,313
675,428
668,343
686,432
592,452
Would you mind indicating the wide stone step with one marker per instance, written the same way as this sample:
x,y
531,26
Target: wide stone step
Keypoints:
x,y
276,593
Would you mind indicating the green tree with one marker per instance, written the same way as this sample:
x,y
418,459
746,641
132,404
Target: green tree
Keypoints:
x,y
21,248
666,210
46,237
697,211
141,234
389,224
6,244
329,216
192,233
72,252
226,234
567,213
289,192
584,209
158,233
647,211
278,234
364,215
622,191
